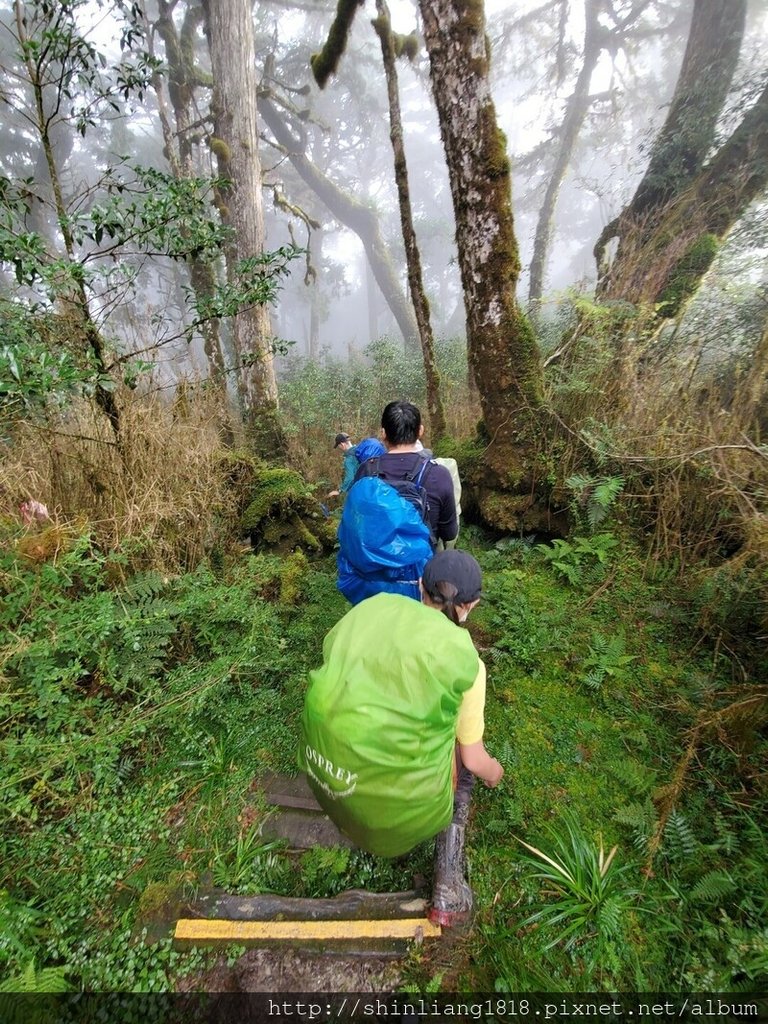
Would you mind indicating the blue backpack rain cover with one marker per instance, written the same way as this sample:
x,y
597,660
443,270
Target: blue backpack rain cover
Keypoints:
x,y
384,539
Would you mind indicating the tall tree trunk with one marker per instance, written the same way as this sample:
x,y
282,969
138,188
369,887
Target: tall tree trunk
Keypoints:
x,y
503,354
575,112
372,295
229,29
349,211
677,160
415,281
183,78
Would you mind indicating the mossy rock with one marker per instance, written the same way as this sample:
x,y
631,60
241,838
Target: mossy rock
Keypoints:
x,y
273,492
512,512
283,515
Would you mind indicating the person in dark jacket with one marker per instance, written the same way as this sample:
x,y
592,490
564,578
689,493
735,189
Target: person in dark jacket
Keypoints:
x,y
402,431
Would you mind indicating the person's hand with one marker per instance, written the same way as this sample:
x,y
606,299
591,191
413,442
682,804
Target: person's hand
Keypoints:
x,y
497,774
333,494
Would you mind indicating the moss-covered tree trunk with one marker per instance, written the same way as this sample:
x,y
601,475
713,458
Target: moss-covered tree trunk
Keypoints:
x,y
502,350
437,426
229,28
663,260
679,199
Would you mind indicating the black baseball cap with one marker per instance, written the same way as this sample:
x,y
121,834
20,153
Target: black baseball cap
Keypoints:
x,y
339,439
457,568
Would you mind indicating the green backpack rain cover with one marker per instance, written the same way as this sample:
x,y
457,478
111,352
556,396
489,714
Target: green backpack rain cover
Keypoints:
x,y
379,722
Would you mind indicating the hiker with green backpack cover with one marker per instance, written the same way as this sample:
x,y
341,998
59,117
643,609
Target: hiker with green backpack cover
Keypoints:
x,y
393,719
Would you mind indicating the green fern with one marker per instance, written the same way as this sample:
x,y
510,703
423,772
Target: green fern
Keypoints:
x,y
635,776
143,587
641,819
712,887
571,559
48,980
496,827
593,497
679,841
726,840
605,658
144,628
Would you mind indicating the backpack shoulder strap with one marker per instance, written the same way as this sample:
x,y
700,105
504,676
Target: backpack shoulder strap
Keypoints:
x,y
369,468
426,461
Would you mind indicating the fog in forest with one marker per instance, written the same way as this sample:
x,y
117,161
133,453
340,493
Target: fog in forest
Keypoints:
x,y
573,170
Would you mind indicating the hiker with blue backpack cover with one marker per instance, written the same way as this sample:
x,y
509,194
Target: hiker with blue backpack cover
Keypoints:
x,y
368,448
399,506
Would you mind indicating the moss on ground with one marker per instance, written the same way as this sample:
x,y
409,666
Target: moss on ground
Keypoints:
x,y
105,829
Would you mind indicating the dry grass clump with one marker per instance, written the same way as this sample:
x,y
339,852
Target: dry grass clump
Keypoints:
x,y
164,495
692,451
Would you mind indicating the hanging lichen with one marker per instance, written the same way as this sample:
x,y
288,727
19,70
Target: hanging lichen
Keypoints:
x,y
407,46
220,149
402,45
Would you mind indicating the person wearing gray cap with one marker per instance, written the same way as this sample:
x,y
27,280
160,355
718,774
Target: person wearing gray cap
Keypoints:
x,y
393,723
350,464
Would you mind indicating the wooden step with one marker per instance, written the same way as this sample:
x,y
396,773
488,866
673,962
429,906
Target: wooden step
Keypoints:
x,y
356,921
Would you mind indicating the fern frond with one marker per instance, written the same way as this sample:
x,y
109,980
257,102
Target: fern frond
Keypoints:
x,y
727,841
638,778
712,887
48,980
637,815
143,587
679,840
594,679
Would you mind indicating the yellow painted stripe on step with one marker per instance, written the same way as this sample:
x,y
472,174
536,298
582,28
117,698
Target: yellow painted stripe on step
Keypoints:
x,y
217,930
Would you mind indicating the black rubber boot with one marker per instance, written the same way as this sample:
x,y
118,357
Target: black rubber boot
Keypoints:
x,y
451,895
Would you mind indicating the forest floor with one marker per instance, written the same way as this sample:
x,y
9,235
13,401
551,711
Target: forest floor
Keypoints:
x,y
145,709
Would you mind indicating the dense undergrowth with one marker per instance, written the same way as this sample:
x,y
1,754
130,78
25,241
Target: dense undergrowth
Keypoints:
x,y
140,709
151,671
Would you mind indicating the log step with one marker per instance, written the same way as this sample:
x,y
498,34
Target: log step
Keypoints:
x,y
352,905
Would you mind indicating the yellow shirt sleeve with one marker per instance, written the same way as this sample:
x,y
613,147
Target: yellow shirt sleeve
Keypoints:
x,y
470,724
